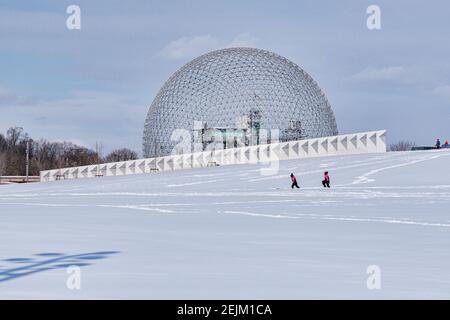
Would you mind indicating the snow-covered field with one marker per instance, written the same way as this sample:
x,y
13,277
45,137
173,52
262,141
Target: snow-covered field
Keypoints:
x,y
230,232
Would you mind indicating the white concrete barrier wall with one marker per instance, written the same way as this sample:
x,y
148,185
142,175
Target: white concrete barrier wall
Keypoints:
x,y
365,142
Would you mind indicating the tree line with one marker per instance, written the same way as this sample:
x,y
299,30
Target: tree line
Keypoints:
x,y
47,155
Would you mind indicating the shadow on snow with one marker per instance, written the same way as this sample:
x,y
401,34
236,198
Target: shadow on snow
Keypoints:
x,y
50,261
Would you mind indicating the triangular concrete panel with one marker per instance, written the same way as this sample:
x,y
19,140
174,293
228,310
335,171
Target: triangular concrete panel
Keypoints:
x,y
315,145
305,147
84,171
265,151
256,153
247,153
324,144
121,168
151,164
237,153
334,143
177,162
344,142
170,163
285,149
381,141
382,137
295,148
160,163
354,141
363,140
275,149
181,163
373,138
131,166
188,161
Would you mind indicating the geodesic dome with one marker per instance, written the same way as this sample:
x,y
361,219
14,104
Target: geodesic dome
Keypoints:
x,y
223,85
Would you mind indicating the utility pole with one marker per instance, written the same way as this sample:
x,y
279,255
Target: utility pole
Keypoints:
x,y
97,150
27,159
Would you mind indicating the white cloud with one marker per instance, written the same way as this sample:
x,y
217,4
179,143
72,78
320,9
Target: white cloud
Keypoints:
x,y
243,40
380,74
442,91
191,47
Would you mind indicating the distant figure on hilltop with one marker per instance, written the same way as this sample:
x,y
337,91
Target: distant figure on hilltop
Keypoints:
x,y
445,145
294,181
438,144
326,180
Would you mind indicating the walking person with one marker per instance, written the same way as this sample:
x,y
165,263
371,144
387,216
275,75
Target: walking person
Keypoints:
x,y
438,144
326,180
294,182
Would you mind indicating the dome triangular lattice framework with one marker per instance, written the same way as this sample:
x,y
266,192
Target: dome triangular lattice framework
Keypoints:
x,y
223,85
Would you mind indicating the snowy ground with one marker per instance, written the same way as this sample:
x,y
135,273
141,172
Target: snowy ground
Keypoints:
x,y
229,232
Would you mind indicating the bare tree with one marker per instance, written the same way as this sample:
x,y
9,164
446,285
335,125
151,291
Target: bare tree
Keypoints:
x,y
2,163
3,148
3,143
121,155
402,146
13,136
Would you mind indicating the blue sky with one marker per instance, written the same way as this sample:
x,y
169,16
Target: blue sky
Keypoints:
x,y
96,84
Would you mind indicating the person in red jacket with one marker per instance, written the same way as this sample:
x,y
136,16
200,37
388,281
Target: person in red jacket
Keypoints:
x,y
326,180
294,181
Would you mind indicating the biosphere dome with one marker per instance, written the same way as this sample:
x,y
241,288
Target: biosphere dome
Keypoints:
x,y
244,91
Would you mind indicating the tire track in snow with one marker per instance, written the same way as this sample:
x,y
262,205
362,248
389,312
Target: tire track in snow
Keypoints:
x,y
134,207
64,205
364,178
192,183
336,218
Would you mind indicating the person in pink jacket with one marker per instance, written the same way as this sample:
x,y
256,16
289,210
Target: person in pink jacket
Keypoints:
x,y
294,181
445,145
326,180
